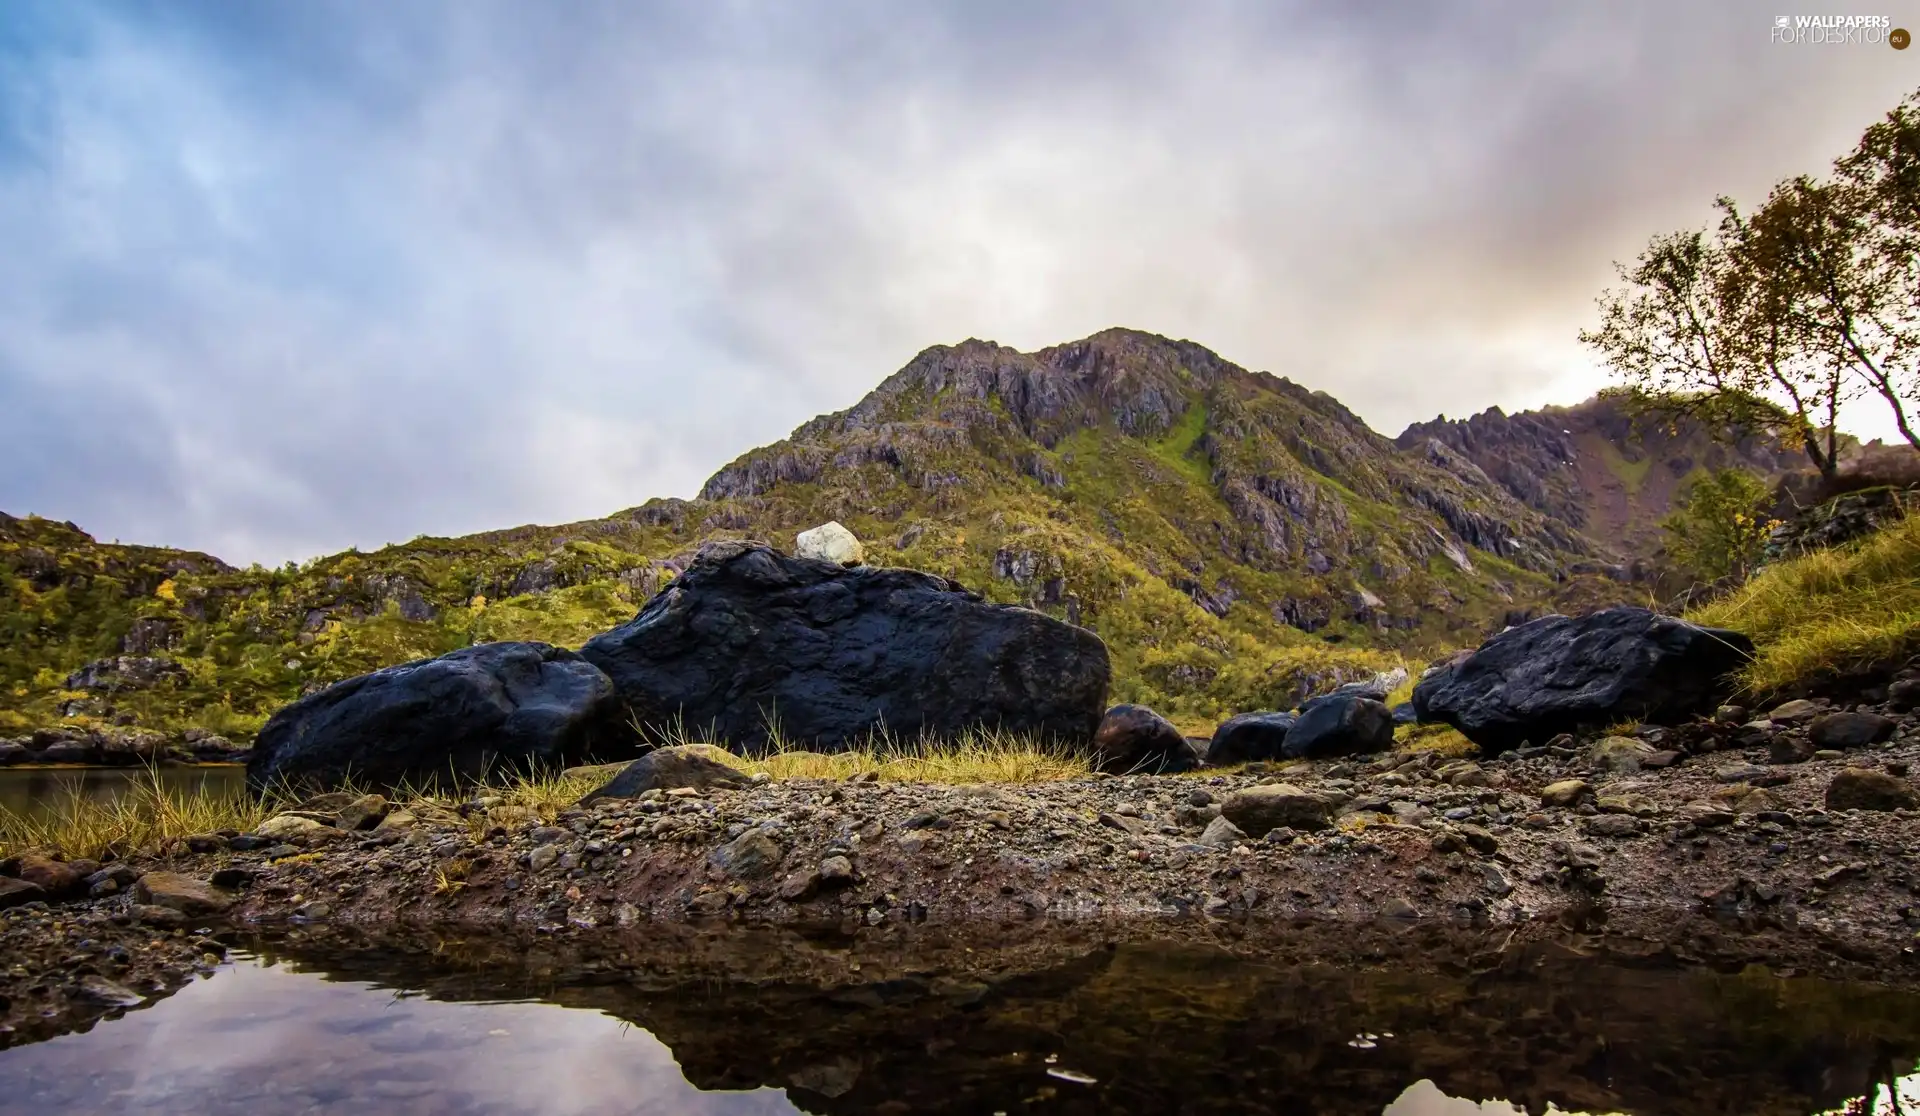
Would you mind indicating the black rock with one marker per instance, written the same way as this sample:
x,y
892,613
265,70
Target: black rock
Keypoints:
x,y
1249,737
460,717
1340,725
1405,714
687,765
1841,731
1563,674
1135,739
748,640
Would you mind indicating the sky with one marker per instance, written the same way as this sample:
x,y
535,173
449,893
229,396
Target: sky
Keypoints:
x,y
280,279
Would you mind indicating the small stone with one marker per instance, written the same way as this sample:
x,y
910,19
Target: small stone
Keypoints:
x,y
1840,731
1397,907
1613,825
1783,749
185,894
314,911
287,827
1564,793
1221,834
548,834
1666,757
1739,773
231,879
397,821
836,870
682,771
54,877
1858,788
1639,805
1496,880
1795,712
543,857
166,918
1730,714
751,856
1478,839
1257,810
1705,815
1619,754
364,812
829,542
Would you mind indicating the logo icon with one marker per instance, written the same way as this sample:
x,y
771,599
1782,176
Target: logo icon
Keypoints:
x,y
1783,23
1898,38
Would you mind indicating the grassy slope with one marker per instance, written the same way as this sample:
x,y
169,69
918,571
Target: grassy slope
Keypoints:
x,y
1831,612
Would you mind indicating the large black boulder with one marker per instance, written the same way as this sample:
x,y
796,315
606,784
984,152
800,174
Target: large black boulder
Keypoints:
x,y
1340,724
1249,737
1134,740
458,718
1562,674
748,639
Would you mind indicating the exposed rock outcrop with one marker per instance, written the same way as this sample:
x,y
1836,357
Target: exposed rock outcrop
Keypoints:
x,y
751,646
526,706
1562,674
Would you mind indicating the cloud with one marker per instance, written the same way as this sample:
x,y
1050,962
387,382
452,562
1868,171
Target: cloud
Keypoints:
x,y
290,278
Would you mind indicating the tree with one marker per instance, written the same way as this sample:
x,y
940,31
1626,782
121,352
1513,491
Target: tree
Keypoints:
x,y
1703,328
1719,525
1782,316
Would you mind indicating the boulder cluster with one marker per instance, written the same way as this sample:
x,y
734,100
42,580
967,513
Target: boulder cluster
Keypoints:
x,y
749,648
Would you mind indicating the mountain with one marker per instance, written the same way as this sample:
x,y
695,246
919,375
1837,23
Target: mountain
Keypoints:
x,y
1238,540
1597,466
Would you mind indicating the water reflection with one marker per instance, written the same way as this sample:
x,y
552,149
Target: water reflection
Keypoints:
x,y
27,792
257,1039
764,1021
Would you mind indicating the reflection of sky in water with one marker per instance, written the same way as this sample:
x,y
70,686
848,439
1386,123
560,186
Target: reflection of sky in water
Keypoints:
x,y
1424,1098
263,1040
260,1040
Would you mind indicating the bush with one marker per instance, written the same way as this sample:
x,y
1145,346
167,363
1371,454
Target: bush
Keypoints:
x,y
1719,526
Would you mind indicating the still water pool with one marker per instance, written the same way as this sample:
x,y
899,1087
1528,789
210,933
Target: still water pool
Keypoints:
x,y
468,1026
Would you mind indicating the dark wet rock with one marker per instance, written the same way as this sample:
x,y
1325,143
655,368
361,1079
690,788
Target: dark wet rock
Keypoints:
x,y
1904,693
1405,714
1340,725
1135,739
1259,810
1560,674
1841,731
687,765
14,892
176,892
1249,737
56,878
525,706
1858,788
1788,748
748,640
11,753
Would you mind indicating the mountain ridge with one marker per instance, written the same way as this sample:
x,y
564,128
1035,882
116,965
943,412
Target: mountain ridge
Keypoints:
x,y
1236,538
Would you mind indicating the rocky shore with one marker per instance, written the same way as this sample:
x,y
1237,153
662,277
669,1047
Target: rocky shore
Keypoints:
x,y
118,747
1722,842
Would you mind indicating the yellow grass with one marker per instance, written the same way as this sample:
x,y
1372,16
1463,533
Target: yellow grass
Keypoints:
x,y
148,816
1829,611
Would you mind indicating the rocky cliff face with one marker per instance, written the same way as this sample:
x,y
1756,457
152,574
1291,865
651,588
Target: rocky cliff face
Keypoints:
x,y
1596,467
1237,539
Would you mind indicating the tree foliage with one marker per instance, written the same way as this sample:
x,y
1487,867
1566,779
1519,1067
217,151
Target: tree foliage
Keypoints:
x,y
1779,318
1719,526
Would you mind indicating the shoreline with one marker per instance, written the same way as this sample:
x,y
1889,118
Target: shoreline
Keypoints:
x,y
1675,867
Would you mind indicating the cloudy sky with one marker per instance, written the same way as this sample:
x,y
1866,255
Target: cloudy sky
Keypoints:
x,y
276,279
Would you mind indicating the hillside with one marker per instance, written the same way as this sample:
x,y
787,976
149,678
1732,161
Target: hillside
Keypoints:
x,y
1597,467
1236,538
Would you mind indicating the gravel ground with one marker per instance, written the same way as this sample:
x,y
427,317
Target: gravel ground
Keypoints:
x,y
1718,856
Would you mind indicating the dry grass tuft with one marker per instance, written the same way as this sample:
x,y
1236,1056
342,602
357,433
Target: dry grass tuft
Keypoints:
x,y
1828,612
149,815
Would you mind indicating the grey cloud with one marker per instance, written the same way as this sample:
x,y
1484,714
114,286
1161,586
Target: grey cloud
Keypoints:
x,y
286,278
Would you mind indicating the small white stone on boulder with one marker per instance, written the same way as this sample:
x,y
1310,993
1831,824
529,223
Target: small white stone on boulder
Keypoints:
x,y
830,542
